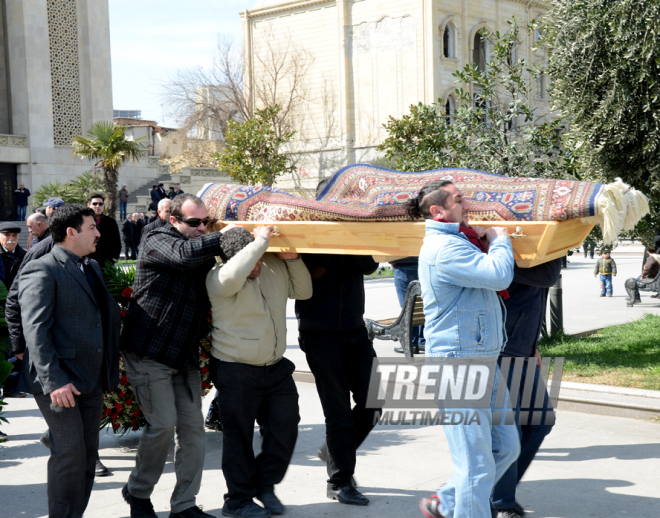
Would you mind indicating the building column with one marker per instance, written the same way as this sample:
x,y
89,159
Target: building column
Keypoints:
x,y
346,113
431,50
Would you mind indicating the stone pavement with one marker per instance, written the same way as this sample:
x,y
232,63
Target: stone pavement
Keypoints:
x,y
589,466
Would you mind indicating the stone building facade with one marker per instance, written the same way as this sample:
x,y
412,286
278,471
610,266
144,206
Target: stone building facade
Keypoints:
x,y
372,59
55,82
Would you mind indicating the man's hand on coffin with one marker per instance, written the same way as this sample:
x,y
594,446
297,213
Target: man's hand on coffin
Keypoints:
x,y
264,232
494,232
287,256
481,234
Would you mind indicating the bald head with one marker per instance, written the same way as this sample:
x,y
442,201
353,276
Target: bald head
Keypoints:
x,y
37,223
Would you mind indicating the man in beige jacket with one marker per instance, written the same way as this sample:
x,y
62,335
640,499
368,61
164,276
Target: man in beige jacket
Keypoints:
x,y
248,296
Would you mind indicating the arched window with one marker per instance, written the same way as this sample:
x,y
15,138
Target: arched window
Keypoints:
x,y
479,56
449,110
448,39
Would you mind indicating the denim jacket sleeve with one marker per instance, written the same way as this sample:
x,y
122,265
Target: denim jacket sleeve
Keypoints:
x,y
462,264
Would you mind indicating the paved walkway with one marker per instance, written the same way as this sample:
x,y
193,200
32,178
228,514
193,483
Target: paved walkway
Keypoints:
x,y
589,466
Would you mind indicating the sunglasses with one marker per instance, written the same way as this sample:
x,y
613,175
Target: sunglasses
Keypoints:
x,y
94,204
196,222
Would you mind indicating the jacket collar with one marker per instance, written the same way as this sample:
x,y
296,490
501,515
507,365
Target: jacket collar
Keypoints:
x,y
69,262
437,227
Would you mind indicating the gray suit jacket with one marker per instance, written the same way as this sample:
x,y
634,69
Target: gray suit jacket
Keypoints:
x,y
62,324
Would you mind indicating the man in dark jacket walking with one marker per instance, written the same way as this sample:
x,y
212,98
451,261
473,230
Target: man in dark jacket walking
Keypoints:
x,y
162,219
340,354
72,334
525,312
22,194
109,245
166,318
128,239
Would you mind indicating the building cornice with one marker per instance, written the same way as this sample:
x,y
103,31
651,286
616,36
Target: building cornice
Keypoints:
x,y
288,6
536,4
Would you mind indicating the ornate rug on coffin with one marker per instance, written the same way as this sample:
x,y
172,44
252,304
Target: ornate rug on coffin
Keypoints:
x,y
370,193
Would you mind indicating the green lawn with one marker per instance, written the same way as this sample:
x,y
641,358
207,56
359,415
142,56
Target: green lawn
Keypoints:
x,y
626,356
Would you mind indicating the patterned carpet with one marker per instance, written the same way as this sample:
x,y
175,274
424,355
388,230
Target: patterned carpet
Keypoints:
x,y
370,193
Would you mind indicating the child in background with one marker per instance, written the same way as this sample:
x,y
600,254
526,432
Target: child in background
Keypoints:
x,y
606,267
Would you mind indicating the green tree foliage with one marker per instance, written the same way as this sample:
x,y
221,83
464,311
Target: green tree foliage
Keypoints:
x,y
76,191
495,127
605,66
107,144
253,153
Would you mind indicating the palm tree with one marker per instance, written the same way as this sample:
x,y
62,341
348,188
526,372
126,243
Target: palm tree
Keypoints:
x,y
106,143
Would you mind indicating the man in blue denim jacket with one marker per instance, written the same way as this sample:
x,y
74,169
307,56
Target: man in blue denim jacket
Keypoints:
x,y
464,319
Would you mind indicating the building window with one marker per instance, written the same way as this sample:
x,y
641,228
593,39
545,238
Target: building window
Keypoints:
x,y
479,55
448,39
449,110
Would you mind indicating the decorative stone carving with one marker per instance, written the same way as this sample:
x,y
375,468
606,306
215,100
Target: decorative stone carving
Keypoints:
x,y
184,179
12,140
64,70
4,140
163,169
153,161
206,171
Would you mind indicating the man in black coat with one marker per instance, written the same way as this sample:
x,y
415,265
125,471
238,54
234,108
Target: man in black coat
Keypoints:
x,y
11,252
128,238
525,313
71,326
162,219
109,245
166,319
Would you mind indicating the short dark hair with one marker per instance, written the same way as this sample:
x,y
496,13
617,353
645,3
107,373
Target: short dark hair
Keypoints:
x,y
154,186
433,193
171,188
95,195
160,185
68,216
179,200
233,241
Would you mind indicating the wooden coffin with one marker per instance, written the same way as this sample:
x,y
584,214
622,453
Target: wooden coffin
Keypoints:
x,y
537,241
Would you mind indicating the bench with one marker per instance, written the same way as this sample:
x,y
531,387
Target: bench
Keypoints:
x,y
398,328
651,285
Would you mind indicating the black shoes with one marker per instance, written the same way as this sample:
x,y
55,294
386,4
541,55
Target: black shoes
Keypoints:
x,y
271,502
191,512
347,495
213,424
140,507
250,510
13,393
322,454
99,471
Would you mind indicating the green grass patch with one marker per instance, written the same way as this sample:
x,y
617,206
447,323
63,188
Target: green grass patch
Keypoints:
x,y
627,355
126,262
381,272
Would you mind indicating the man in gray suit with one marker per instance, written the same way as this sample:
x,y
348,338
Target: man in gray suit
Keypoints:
x,y
71,327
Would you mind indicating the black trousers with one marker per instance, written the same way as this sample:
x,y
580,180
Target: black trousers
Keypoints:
x,y
245,391
74,444
130,250
341,363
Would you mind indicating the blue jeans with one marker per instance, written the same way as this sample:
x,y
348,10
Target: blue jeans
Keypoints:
x,y
404,275
122,209
605,284
531,437
21,210
481,454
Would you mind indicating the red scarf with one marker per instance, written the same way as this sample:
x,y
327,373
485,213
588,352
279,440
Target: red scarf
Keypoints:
x,y
473,238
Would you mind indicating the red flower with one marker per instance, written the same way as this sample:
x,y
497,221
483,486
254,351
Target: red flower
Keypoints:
x,y
204,355
124,313
114,416
122,394
205,385
136,413
123,380
118,406
115,425
135,427
127,292
133,421
205,370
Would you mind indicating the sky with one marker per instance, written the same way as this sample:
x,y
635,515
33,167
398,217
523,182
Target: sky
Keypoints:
x,y
151,39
